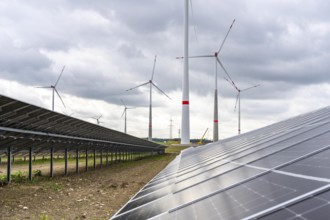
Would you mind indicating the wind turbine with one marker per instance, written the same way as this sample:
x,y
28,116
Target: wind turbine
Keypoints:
x,y
97,118
151,83
125,112
238,100
53,87
217,60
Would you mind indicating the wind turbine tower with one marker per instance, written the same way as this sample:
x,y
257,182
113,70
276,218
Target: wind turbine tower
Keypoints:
x,y
238,100
125,113
151,83
185,123
171,129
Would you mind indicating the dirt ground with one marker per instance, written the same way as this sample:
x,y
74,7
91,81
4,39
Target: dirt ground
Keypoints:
x,y
97,194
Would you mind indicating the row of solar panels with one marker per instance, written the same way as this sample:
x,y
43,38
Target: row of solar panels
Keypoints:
x,y
24,125
281,171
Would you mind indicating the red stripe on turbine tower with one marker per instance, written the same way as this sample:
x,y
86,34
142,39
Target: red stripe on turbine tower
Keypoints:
x,y
185,102
216,121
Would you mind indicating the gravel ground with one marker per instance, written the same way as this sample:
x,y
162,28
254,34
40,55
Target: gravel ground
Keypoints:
x,y
96,194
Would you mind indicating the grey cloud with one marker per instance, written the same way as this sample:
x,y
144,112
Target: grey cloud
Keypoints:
x,y
261,48
130,51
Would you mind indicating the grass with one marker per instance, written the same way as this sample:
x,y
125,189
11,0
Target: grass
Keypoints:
x,y
43,160
17,177
71,161
174,149
22,176
53,186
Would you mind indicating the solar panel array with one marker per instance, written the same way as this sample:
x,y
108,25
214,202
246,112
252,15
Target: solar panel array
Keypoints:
x,y
24,125
281,171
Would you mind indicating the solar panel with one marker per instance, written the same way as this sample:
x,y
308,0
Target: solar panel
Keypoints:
x,y
315,207
26,129
22,122
277,172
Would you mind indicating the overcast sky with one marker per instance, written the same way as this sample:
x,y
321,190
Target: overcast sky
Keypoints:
x,y
109,47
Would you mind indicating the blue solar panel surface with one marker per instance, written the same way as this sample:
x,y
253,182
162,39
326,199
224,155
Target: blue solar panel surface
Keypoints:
x,y
281,171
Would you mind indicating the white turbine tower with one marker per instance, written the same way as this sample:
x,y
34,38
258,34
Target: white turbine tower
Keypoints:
x,y
125,113
53,87
217,60
238,100
151,83
185,122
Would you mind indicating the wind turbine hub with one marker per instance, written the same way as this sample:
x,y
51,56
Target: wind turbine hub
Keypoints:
x,y
216,54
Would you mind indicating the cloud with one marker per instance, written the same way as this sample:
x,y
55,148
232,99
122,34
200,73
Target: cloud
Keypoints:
x,y
109,47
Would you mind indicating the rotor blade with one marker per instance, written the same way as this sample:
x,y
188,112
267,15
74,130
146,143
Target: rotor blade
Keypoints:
x,y
99,117
193,19
250,87
59,77
138,86
160,90
231,81
153,69
59,97
223,42
123,113
43,87
95,117
201,56
123,102
236,101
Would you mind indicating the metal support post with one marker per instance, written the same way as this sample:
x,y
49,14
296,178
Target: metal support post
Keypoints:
x,y
51,162
111,156
66,161
30,163
9,165
86,165
101,159
107,157
77,161
94,158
